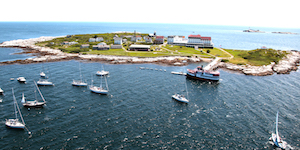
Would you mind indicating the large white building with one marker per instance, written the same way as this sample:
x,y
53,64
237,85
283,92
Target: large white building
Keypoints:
x,y
177,40
199,41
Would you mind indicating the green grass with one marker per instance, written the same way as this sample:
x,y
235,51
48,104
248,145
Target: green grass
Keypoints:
x,y
256,57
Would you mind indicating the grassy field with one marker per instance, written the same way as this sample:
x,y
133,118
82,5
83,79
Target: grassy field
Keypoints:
x,y
256,57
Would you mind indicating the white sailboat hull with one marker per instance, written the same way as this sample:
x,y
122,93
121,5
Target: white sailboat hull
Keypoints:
x,y
180,98
33,103
14,123
102,73
98,90
79,83
44,82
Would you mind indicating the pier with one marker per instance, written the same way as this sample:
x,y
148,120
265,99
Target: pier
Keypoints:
x,y
213,64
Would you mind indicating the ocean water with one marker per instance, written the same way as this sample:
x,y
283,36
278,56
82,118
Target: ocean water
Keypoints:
x,y
238,112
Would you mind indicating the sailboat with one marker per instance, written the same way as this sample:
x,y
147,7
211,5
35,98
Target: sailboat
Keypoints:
x,y
33,103
181,98
44,82
79,82
276,138
15,123
102,72
100,90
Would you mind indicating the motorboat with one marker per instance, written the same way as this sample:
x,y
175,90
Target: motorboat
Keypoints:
x,y
21,79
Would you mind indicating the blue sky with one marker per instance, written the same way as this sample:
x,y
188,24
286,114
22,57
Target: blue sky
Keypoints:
x,y
250,13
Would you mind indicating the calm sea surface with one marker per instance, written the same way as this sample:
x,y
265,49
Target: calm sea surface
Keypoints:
x,y
236,113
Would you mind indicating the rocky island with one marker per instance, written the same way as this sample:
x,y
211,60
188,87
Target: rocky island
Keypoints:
x,y
285,65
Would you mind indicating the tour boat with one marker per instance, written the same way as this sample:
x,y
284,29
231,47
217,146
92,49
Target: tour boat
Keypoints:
x,y
21,79
15,123
200,74
276,138
99,90
79,82
33,103
44,82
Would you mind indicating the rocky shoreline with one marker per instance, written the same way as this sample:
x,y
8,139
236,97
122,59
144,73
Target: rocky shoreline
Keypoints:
x,y
44,54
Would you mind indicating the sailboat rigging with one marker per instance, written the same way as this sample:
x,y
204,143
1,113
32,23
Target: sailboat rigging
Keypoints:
x,y
79,82
181,97
15,123
100,89
34,103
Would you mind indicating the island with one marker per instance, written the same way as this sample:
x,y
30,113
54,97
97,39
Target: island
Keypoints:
x,y
133,47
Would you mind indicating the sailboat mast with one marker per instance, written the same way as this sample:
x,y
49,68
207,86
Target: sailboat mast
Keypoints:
x,y
39,91
187,96
80,72
101,82
106,83
16,104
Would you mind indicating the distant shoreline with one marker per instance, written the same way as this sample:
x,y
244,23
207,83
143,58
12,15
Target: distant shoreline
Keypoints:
x,y
44,54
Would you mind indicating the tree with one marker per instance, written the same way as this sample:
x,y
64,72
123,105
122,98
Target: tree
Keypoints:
x,y
208,51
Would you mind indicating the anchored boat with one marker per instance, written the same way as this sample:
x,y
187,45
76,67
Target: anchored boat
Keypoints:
x,y
33,103
200,74
15,123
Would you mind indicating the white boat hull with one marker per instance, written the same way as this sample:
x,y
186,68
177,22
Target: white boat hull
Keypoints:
x,y
102,73
21,79
34,103
98,90
79,83
44,82
180,98
14,124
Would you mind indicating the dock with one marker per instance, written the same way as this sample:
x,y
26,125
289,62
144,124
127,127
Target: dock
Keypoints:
x,y
213,64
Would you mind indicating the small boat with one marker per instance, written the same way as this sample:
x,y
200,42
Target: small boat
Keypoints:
x,y
44,82
178,73
276,139
42,74
33,103
142,67
1,91
12,79
15,123
200,74
100,89
79,82
102,72
21,79
180,98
